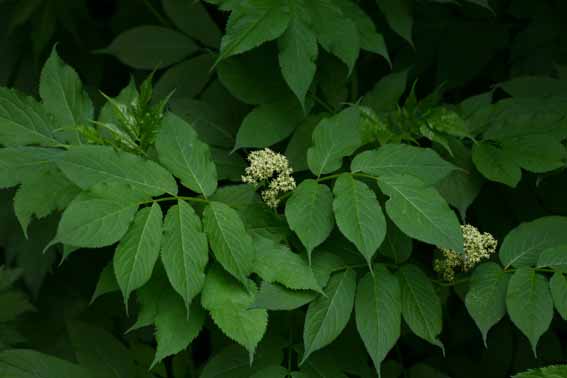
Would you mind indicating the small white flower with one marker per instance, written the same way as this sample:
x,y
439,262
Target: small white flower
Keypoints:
x,y
477,247
268,168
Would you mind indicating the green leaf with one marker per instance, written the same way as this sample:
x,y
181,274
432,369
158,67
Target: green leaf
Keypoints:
x,y
554,257
228,303
359,215
420,212
150,47
174,330
370,40
299,143
193,19
24,363
274,297
277,263
89,165
486,298
328,315
298,52
309,213
138,251
397,245
254,77
379,313
524,244
535,153
333,139
106,283
268,124
399,16
232,246
558,286
19,164
273,371
63,95
232,362
557,371
213,127
186,79
181,151
530,304
495,165
460,188
386,93
100,352
24,121
230,166
95,220
336,32
184,251
402,159
421,307
42,194
253,23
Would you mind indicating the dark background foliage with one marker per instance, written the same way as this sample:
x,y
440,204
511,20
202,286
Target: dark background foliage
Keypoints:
x,y
467,48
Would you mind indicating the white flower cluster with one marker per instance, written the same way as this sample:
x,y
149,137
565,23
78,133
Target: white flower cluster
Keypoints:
x,y
478,246
268,168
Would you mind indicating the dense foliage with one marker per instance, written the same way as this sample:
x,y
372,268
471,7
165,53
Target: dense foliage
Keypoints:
x,y
283,188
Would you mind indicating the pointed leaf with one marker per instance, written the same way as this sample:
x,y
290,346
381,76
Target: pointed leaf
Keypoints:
x,y
524,244
402,159
174,330
554,257
558,286
93,222
370,40
192,18
298,52
181,151
232,246
184,251
269,124
486,298
328,315
495,165
359,215
309,213
106,283
529,304
421,212
399,17
89,165
277,263
138,251
397,245
253,23
23,363
335,32
63,95
379,313
421,307
42,194
228,303
24,121
333,139
151,47
18,164
274,297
